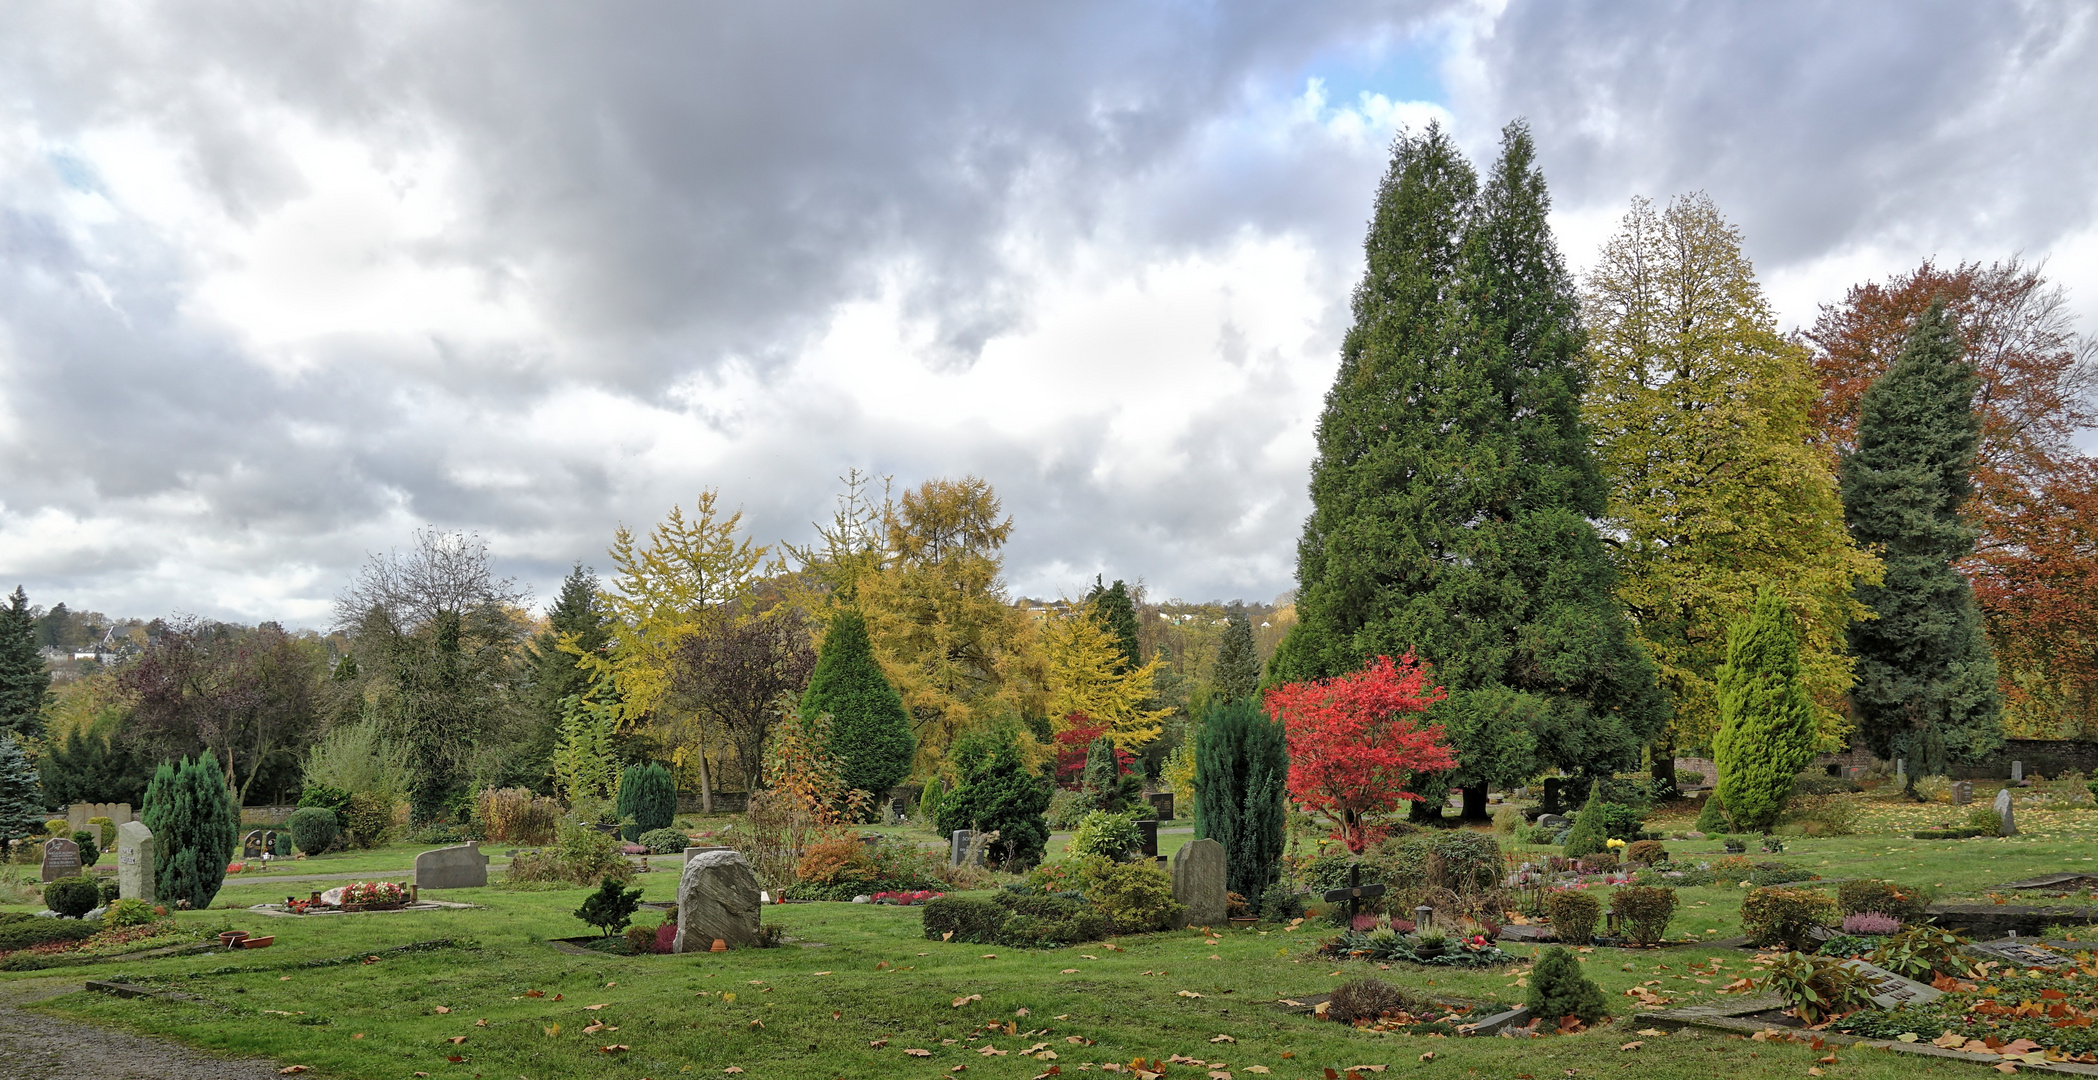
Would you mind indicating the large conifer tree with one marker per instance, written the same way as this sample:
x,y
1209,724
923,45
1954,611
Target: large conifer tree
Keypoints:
x,y
21,797
1454,486
1237,671
870,732
25,683
1926,680
1116,610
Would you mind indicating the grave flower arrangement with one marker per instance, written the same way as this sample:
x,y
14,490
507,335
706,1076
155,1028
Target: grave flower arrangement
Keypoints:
x,y
911,898
2020,1013
374,894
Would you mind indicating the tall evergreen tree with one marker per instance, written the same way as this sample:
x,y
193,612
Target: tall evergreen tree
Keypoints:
x,y
1116,610
25,683
1241,774
195,827
1237,672
21,798
1767,728
556,676
1926,680
1454,486
869,732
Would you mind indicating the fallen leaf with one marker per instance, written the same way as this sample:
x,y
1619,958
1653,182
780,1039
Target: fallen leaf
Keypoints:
x,y
944,937
439,1009
1812,1071
961,1001
878,1043
553,1030
359,1035
916,1052
292,1070
1068,971
728,996
594,1008
1651,1033
957,1068
535,993
1429,1056
757,1023
1223,1039
988,956
1631,1046
594,1028
733,1069
457,1039
1189,994
820,972
615,1048
480,1023
1021,1012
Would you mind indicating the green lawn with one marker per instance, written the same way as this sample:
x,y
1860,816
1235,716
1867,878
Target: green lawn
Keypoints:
x,y
807,1012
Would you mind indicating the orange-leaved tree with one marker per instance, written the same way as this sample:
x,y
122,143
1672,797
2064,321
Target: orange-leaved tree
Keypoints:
x,y
1356,742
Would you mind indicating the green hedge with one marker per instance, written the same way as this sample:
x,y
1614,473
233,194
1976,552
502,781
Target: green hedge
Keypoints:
x,y
1015,921
19,931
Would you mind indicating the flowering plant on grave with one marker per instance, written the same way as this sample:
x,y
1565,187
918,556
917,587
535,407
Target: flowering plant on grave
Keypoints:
x,y
907,899
368,893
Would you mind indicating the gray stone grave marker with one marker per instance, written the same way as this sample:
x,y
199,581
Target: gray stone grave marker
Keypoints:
x,y
135,861
459,866
1901,769
958,849
897,815
2022,953
1199,882
61,858
2008,820
1962,793
1893,990
702,849
2017,772
717,897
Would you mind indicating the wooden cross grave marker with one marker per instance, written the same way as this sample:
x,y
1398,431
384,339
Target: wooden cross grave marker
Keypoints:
x,y
1355,893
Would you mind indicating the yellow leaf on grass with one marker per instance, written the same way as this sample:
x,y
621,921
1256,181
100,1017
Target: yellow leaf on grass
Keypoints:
x,y
733,1069
961,1001
457,1039
823,973
1631,1046
594,1008
1189,994
438,1009
615,1048
1223,1038
1429,1056
916,1052
1068,971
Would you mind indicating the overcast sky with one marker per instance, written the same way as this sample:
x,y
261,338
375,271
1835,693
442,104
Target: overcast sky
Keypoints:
x,y
280,283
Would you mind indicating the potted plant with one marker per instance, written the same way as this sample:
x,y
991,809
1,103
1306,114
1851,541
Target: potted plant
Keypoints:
x,y
1736,846
1430,943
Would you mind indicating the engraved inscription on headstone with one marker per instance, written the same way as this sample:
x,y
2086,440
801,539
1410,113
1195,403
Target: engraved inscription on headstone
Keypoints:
x,y
1962,793
1892,989
61,858
2019,952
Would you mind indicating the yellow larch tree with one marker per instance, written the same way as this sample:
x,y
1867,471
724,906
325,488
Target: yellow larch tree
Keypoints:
x,y
1083,659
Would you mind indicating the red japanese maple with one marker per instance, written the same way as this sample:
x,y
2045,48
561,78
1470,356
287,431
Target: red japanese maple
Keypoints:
x,y
1355,745
1074,741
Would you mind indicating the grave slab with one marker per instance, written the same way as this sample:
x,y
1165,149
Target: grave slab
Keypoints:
x,y
2023,953
61,858
1498,1022
2072,881
1894,990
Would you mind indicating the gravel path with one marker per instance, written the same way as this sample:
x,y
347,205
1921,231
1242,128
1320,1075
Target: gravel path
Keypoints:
x,y
38,1047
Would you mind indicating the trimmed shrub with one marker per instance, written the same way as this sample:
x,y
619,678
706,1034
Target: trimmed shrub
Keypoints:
x,y
73,897
1780,916
1905,903
665,841
870,731
123,913
1777,873
1601,862
1573,915
1559,988
1241,769
1645,853
327,798
90,852
196,826
22,931
370,820
313,828
1133,897
1644,913
998,792
1711,818
1107,836
648,795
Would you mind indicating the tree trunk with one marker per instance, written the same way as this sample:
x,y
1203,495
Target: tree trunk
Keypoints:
x,y
1662,765
1474,804
706,783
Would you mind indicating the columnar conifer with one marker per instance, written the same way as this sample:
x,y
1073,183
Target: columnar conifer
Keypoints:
x,y
195,826
1237,672
1766,720
870,732
1241,775
25,683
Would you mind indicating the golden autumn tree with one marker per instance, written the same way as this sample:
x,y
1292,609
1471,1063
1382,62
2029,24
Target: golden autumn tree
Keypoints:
x,y
1699,409
1085,665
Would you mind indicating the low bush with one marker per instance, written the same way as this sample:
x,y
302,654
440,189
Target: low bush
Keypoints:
x,y
22,931
517,816
1904,903
1281,903
1777,873
73,897
1643,913
128,913
327,798
1823,815
1106,835
1778,916
1135,898
1573,915
665,841
839,860
1365,999
370,820
1559,989
111,890
1015,921
1508,821
583,856
1819,987
1646,853
1601,862
610,908
1848,945
313,828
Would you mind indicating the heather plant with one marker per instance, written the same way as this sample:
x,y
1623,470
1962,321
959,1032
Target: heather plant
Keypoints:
x,y
1870,924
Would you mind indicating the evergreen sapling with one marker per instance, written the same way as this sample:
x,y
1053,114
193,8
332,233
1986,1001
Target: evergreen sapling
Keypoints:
x,y
611,907
1560,989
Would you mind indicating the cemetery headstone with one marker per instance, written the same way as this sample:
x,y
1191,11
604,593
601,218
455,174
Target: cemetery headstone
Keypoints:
x,y
1901,769
61,858
1198,882
251,845
459,866
2020,952
1554,821
897,815
958,852
1162,802
1962,793
2017,772
2009,822
717,897
135,865
1147,837
1893,990
1554,790
701,850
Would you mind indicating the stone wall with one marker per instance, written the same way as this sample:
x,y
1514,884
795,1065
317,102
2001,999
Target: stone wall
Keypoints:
x,y
2046,757
77,814
252,816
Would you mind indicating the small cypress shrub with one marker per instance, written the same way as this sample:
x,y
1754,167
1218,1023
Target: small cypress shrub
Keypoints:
x,y
1559,988
1241,768
998,792
649,796
196,826
1646,853
1766,719
21,792
1711,819
611,907
90,852
1590,831
72,897
313,828
1573,915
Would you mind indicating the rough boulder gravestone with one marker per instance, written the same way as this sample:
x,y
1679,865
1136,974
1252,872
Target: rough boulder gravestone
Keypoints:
x,y
460,866
716,898
1198,882
61,858
2008,822
135,861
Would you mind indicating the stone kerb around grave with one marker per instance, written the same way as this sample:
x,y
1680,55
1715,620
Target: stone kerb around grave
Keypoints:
x,y
459,866
717,898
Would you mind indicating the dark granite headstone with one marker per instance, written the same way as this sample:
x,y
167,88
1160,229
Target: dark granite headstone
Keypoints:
x,y
1162,801
1147,837
61,858
251,845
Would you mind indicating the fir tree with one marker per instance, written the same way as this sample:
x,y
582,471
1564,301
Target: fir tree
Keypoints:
x,y
1711,817
1590,832
1237,673
1559,989
870,732
88,767
1241,772
648,794
1766,720
21,796
1926,680
1117,614
195,826
25,683
997,792
1454,487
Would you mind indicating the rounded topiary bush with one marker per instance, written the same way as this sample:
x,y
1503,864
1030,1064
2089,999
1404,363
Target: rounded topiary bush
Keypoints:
x,y
313,828
1559,989
73,897
665,841
1643,912
1573,915
1778,916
